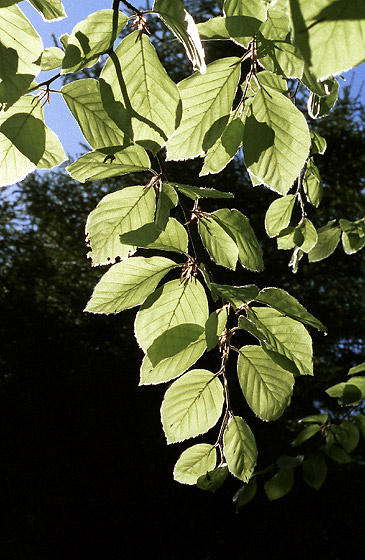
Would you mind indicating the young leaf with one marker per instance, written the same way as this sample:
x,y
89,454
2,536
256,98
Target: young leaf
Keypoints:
x,y
84,101
50,9
51,58
238,227
117,213
220,246
314,468
170,305
239,448
278,215
286,337
276,140
244,18
326,33
180,22
192,405
235,295
139,82
320,106
194,462
20,50
200,192
280,484
90,38
128,284
266,386
226,147
328,238
207,100
319,144
102,164
288,305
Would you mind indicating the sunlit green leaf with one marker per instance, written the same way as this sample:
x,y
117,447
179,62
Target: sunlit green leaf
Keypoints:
x,y
239,448
207,100
128,284
312,183
349,392
213,29
266,386
315,419
51,58
328,238
319,144
50,9
326,32
235,295
244,18
226,147
140,84
278,214
192,405
357,369
276,140
54,153
184,28
220,246
194,462
200,192
172,238
167,200
101,164
215,326
90,38
118,213
320,106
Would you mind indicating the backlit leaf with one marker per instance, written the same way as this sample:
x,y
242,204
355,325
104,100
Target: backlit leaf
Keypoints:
x,y
50,9
278,214
172,238
194,462
280,484
239,448
235,295
226,147
220,246
328,238
244,18
200,192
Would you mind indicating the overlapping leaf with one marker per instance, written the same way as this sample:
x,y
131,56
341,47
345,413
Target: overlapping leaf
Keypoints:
x,y
276,140
195,462
192,405
207,100
266,386
278,215
226,147
90,38
101,164
220,246
239,448
128,284
50,9
243,18
139,83
118,213
172,237
195,193
235,295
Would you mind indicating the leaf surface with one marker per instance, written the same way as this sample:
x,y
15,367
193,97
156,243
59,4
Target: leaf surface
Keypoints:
x,y
195,462
239,448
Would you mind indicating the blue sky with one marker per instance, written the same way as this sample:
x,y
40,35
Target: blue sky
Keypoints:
x,y
56,113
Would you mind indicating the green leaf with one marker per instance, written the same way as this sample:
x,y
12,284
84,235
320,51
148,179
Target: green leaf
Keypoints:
x,y
22,139
20,51
139,83
312,184
215,326
50,9
84,101
53,154
195,462
314,468
220,246
189,336
237,296
167,199
280,484
266,386
288,305
102,164
306,434
349,392
315,419
357,369
207,100
213,29
200,192
90,38
247,325
239,448
245,494
213,480
172,238
305,236
170,305
328,238
51,58
174,341
276,140
192,405
274,48
239,229
359,420
352,242
278,214
180,22
347,435
243,19
319,144
320,106
338,455
117,213
226,147
128,284
289,462
326,32
285,336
